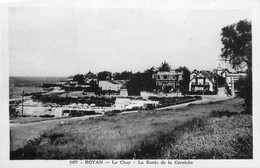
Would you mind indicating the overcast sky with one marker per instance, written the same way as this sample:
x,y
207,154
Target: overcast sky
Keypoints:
x,y
67,41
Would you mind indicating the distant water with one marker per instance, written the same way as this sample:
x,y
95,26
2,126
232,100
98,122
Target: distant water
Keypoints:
x,y
29,84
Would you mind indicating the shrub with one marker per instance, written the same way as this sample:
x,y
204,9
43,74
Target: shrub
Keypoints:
x,y
110,113
47,116
218,138
244,86
220,114
55,98
12,111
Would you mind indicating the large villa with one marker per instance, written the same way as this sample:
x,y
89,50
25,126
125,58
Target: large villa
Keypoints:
x,y
168,81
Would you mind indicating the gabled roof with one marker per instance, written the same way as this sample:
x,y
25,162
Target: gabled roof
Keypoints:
x,y
206,74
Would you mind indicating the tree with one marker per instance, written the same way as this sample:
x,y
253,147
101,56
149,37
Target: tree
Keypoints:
x,y
184,83
79,78
164,67
104,75
149,81
244,85
135,84
151,70
125,75
117,76
237,41
141,82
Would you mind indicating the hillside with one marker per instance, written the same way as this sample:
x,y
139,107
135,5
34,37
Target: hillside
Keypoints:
x,y
208,131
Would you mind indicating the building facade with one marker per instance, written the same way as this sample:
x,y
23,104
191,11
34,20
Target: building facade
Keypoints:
x,y
201,81
230,73
231,78
91,77
168,81
123,91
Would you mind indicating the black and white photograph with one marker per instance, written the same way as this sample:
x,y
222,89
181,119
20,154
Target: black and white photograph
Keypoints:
x,y
127,83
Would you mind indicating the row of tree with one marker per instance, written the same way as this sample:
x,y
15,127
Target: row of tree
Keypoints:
x,y
140,81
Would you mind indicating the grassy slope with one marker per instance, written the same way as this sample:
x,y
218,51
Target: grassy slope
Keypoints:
x,y
19,136
216,138
151,134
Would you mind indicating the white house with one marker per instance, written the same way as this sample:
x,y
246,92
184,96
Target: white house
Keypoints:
x,y
201,81
110,85
123,91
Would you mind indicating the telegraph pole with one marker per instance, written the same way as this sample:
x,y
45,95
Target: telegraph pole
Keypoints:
x,y
22,101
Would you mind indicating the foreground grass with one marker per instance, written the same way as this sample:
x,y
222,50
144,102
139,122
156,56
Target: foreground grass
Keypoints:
x,y
218,137
147,135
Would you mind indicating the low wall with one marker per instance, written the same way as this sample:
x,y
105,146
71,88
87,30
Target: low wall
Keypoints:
x,y
148,94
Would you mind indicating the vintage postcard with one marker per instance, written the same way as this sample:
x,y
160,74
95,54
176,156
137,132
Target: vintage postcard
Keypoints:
x,y
129,83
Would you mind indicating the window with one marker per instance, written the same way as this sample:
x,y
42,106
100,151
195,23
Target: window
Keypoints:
x,y
165,77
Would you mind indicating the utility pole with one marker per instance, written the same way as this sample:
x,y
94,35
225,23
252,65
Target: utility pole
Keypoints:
x,y
22,101
232,87
204,89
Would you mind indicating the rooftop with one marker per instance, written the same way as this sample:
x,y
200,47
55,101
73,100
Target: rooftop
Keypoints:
x,y
172,72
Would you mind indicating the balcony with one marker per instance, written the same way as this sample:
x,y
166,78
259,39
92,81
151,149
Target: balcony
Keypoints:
x,y
200,83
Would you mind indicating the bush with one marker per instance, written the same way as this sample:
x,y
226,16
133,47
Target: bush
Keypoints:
x,y
55,98
168,101
244,87
110,113
12,111
220,114
150,107
47,116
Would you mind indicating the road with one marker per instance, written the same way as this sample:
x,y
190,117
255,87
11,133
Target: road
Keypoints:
x,y
205,100
22,133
